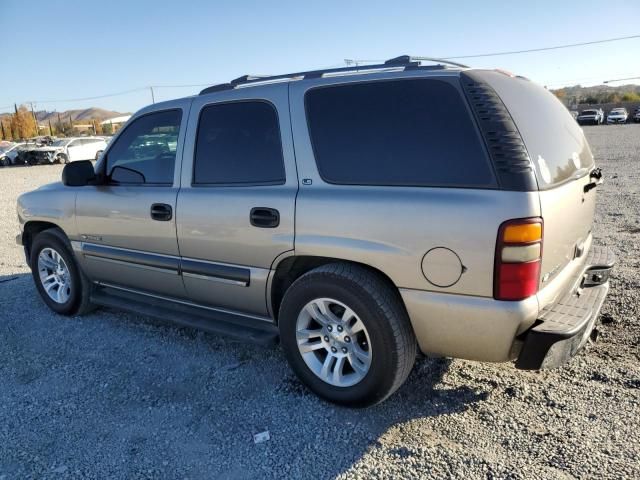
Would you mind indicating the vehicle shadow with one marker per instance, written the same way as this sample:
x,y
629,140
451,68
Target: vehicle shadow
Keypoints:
x,y
424,395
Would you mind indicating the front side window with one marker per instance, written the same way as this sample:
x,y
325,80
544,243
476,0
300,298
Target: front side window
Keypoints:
x,y
415,132
238,143
145,153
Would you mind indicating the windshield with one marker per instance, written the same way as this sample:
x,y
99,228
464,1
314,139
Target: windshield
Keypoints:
x,y
5,148
589,112
60,143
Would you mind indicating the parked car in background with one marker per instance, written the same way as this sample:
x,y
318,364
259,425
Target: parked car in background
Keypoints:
x,y
636,115
67,150
618,115
15,155
5,148
591,117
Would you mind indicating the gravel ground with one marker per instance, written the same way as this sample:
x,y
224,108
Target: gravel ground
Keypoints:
x,y
114,395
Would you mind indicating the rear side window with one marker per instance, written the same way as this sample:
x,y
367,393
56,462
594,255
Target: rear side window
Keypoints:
x,y
238,143
403,132
554,140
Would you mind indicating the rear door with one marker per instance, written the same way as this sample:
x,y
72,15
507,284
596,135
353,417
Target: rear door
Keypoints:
x,y
127,226
236,204
563,164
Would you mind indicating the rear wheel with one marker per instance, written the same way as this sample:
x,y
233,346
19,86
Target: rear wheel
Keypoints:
x,y
59,280
347,335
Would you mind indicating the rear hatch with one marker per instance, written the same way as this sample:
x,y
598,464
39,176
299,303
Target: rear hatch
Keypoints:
x,y
563,165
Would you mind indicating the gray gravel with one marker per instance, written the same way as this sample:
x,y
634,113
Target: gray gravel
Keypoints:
x,y
115,395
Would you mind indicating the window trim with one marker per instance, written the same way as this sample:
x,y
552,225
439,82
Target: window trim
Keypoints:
x,y
195,184
490,186
105,155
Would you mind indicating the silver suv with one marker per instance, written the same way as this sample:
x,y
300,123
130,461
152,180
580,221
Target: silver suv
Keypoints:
x,y
358,215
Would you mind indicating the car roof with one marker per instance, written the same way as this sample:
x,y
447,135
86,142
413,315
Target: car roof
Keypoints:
x,y
402,66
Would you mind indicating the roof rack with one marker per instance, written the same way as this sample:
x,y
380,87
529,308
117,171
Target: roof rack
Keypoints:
x,y
404,61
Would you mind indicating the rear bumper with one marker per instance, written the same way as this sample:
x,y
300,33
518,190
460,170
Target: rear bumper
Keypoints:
x,y
564,327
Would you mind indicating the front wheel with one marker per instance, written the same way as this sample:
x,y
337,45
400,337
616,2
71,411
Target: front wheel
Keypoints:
x,y
346,334
5,162
59,280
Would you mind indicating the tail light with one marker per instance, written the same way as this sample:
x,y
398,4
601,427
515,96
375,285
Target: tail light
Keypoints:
x,y
518,258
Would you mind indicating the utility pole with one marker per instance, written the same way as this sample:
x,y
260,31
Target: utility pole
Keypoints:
x,y
4,135
153,98
50,127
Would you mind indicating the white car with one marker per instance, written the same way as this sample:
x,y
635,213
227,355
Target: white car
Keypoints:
x,y
618,115
67,150
9,152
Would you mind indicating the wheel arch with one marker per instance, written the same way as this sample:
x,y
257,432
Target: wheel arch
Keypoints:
x,y
31,230
290,268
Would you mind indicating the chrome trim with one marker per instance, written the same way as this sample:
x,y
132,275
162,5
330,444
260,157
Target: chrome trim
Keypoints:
x,y
215,279
131,264
185,302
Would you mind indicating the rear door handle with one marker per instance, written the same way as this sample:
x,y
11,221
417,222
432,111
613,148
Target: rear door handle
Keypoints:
x,y
161,212
264,217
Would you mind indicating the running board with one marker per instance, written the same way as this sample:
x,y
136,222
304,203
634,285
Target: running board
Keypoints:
x,y
235,326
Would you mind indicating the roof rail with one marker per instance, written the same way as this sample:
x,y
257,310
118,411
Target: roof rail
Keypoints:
x,y
404,61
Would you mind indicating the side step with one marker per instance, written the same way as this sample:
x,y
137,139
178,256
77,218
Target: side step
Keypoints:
x,y
227,324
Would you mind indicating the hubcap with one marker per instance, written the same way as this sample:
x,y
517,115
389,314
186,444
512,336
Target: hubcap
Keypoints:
x,y
333,342
54,275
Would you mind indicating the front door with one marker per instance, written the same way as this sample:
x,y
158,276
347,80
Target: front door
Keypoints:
x,y
127,226
236,204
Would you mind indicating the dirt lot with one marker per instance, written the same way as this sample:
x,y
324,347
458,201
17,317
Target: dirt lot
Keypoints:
x,y
114,395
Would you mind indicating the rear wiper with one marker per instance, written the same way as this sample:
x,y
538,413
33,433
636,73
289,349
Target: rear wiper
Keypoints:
x,y
596,174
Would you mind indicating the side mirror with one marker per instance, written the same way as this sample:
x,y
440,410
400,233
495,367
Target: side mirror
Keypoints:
x,y
78,174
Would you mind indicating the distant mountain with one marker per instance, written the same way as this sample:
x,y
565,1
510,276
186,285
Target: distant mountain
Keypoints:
x,y
86,114
597,94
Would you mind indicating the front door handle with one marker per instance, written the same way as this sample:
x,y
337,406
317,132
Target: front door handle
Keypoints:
x,y
264,217
161,212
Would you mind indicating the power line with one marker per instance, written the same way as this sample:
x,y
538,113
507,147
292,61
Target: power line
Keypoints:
x,y
556,47
622,79
90,98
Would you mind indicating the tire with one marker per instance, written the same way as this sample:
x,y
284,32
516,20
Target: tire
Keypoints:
x,y
76,300
61,158
5,162
387,339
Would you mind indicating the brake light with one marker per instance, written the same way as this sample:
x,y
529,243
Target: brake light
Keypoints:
x,y
518,258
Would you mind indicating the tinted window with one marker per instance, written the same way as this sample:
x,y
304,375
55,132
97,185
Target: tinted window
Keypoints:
x,y
406,132
554,140
146,151
239,143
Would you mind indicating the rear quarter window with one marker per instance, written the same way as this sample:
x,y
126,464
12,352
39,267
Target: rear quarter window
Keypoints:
x,y
410,132
555,142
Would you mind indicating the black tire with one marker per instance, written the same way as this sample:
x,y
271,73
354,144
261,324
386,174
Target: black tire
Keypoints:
x,y
78,302
379,306
4,162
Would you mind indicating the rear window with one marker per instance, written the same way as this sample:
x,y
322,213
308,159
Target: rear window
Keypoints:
x,y
555,142
414,132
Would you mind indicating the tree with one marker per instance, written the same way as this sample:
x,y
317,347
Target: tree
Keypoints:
x,y
23,124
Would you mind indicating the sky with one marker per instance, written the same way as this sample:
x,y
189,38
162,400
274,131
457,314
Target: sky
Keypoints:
x,y
61,50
